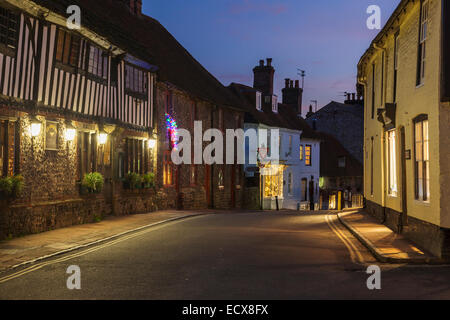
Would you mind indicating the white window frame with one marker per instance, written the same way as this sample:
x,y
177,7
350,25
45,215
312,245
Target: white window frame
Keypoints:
x,y
422,41
392,163
258,101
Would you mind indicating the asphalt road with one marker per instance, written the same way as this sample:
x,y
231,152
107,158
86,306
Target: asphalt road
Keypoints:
x,y
229,256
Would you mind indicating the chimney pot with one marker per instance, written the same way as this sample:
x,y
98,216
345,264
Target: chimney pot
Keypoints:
x,y
297,83
353,96
269,62
286,83
261,63
291,84
348,96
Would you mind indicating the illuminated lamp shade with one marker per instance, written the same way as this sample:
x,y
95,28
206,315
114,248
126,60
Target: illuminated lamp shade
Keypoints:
x,y
35,126
102,137
151,143
70,131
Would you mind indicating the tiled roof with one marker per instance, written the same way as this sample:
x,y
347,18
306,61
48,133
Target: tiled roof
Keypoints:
x,y
146,39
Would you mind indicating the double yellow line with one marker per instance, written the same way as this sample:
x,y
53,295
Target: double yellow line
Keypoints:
x,y
355,255
82,253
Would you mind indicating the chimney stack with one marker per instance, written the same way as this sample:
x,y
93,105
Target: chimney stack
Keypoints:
x,y
135,6
263,77
292,95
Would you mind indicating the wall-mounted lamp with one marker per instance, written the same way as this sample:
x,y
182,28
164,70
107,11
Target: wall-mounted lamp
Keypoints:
x,y
70,131
151,143
102,137
35,127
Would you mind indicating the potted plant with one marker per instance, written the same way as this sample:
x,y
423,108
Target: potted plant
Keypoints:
x,y
6,187
17,183
132,181
148,180
92,182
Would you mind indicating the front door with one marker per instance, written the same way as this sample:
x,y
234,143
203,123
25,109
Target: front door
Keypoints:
x,y
311,195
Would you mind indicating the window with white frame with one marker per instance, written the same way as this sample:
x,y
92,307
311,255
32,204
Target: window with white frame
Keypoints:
x,y
422,159
290,182
275,104
392,162
258,101
98,62
422,41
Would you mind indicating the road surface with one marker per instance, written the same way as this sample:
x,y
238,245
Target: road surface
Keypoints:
x,y
229,256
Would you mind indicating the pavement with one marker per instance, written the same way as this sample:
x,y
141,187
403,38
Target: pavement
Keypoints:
x,y
386,245
29,249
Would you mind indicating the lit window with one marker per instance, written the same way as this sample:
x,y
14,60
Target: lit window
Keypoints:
x,y
301,152
392,165
220,182
307,155
193,174
422,159
273,182
9,148
168,169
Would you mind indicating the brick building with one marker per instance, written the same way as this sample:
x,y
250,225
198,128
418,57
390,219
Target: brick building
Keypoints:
x,y
97,99
406,137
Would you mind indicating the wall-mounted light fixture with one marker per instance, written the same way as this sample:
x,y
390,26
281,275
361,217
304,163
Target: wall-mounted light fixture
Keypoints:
x,y
102,137
70,131
35,127
151,142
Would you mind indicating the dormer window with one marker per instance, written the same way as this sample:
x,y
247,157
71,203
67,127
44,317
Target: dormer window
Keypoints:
x,y
274,104
258,101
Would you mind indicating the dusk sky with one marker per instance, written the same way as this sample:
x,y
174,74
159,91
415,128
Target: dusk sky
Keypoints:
x,y
228,37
